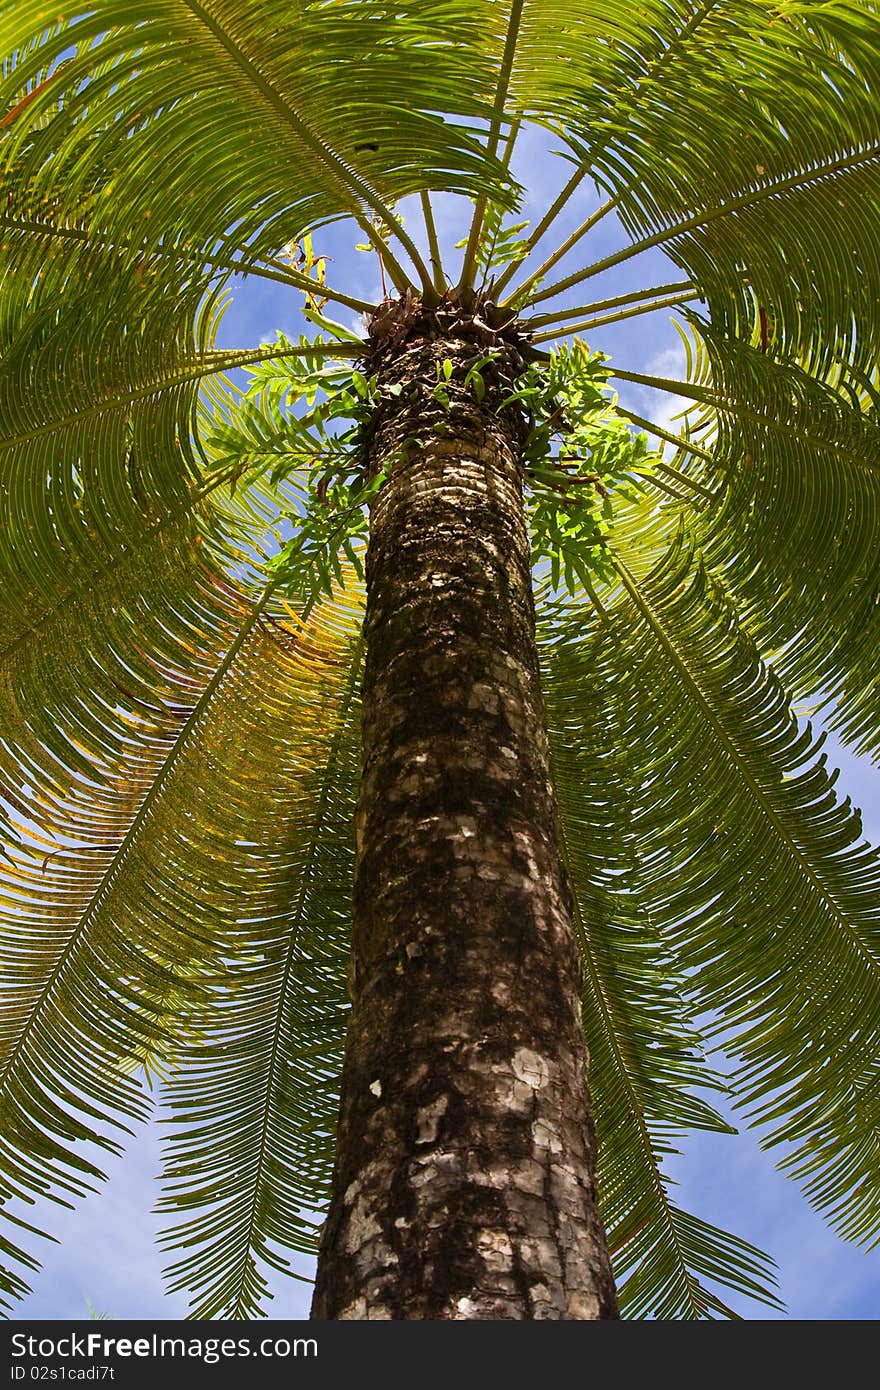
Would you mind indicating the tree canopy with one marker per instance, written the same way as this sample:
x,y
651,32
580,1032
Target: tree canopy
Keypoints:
x,y
181,602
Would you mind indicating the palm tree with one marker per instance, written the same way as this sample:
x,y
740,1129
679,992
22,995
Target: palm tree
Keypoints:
x,y
548,737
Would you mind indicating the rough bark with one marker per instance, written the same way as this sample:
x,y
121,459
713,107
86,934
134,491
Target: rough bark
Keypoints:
x,y
464,1177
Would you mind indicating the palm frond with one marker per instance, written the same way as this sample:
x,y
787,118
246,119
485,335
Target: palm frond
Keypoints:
x,y
104,860
253,1096
101,366
797,531
795,525
260,124
643,42
766,892
97,393
792,99
647,1066
97,729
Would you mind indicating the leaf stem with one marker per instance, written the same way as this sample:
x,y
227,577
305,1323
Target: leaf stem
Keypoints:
x,y
678,440
691,389
469,264
433,243
522,294
389,261
598,305
268,271
299,282
586,324
535,236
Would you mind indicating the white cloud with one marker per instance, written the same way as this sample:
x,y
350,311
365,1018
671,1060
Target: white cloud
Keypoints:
x,y
662,407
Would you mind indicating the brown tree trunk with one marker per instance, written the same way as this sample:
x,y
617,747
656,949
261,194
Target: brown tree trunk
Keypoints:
x,y
464,1176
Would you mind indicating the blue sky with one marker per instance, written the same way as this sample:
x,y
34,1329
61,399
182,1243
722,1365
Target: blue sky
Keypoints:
x,y
107,1255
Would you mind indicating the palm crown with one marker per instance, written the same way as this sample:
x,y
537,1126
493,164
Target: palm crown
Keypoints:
x,y
181,598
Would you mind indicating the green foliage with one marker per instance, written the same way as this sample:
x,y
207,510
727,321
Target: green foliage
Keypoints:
x,y
644,1040
801,494
767,893
333,528
501,242
580,457
252,1103
180,599
262,435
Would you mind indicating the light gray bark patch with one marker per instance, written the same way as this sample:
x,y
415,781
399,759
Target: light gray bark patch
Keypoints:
x,y
428,1120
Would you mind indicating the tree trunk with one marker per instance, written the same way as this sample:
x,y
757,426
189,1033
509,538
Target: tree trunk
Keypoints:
x,y
464,1174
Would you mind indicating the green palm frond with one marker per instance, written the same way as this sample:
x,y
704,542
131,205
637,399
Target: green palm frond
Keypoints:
x,y
227,104
789,93
647,1062
102,727
178,741
101,369
124,620
795,526
125,626
801,466
97,393
255,1091
108,725
765,891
